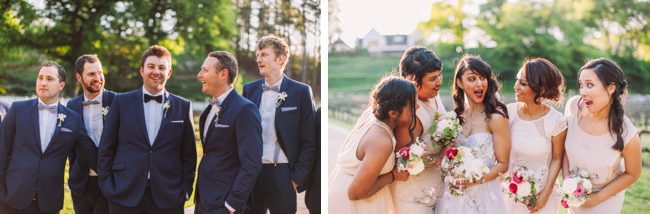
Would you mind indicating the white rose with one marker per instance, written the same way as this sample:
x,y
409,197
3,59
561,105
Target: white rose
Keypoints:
x,y
569,185
584,173
575,202
416,167
524,189
417,150
451,114
442,125
586,183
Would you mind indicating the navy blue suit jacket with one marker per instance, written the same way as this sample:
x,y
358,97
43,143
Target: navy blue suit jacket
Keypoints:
x,y
78,166
4,107
294,125
125,155
24,168
232,152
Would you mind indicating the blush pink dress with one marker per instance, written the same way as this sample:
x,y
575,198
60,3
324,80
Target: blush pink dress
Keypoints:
x,y
595,154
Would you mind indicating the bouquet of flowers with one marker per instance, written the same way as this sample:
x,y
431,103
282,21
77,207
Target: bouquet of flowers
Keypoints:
x,y
575,188
444,131
523,186
410,158
462,165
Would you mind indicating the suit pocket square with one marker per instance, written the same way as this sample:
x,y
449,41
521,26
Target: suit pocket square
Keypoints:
x,y
177,121
288,108
66,130
221,126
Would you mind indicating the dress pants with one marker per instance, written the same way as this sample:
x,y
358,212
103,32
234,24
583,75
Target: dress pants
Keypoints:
x,y
274,191
92,201
145,206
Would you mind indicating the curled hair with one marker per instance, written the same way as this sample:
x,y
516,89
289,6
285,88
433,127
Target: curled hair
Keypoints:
x,y
491,103
82,60
59,69
542,74
279,46
393,93
158,51
417,62
610,73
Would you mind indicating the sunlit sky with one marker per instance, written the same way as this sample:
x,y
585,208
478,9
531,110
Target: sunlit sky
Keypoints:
x,y
358,17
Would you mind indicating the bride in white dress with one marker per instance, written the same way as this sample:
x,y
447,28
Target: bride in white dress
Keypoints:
x,y
415,195
485,127
538,132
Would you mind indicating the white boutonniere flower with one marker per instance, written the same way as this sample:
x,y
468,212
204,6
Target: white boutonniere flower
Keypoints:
x,y
166,107
105,111
281,97
61,118
217,114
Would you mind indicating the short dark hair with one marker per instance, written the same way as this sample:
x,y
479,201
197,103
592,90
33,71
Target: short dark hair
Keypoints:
x,y
418,62
82,60
60,69
226,61
158,51
541,73
279,46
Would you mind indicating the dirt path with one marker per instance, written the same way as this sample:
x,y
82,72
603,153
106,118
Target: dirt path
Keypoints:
x,y
336,135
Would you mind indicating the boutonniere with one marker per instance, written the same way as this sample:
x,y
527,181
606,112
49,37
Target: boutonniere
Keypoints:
x,y
281,97
105,111
61,118
166,107
217,114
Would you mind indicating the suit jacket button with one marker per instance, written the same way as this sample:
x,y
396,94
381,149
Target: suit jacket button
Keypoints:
x,y
145,172
150,152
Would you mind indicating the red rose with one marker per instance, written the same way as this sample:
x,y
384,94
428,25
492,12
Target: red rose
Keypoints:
x,y
406,152
564,204
451,153
513,188
517,179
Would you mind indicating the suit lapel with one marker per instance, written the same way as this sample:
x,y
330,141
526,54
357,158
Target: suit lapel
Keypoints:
x,y
202,119
224,108
278,111
139,110
106,102
256,93
33,112
57,128
165,116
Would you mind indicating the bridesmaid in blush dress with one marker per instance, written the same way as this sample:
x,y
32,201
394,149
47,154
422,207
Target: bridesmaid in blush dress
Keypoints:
x,y
366,162
423,67
600,136
538,132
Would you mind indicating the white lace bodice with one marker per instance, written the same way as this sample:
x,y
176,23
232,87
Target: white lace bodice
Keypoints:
x,y
484,143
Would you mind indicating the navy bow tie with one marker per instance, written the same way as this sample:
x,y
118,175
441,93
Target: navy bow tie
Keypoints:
x,y
90,102
266,87
148,98
42,106
215,102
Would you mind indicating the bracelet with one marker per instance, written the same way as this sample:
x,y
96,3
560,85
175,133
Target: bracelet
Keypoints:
x,y
392,175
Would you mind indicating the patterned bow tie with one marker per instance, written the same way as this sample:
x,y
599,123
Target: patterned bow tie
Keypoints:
x,y
90,102
215,102
148,98
266,87
42,106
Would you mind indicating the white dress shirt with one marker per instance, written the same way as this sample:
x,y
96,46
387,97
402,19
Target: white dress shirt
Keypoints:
x,y
47,122
269,137
94,121
208,119
153,114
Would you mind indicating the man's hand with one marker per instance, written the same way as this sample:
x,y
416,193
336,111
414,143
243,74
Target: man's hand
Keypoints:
x,y
295,186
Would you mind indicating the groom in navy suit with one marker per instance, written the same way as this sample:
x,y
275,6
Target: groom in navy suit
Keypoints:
x,y
93,105
35,139
287,111
231,134
147,153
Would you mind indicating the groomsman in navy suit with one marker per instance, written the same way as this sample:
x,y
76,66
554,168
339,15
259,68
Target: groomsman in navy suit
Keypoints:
x,y
147,153
231,134
93,105
287,110
4,107
35,139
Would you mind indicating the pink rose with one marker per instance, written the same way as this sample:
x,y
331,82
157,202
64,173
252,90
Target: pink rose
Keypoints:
x,y
580,190
451,153
406,152
513,188
564,204
517,179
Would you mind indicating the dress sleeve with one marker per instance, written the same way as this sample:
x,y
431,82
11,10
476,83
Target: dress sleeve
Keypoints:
x,y
629,131
571,108
560,124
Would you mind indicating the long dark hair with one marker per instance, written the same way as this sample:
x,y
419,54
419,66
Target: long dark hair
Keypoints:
x,y
393,93
417,62
610,73
541,73
491,103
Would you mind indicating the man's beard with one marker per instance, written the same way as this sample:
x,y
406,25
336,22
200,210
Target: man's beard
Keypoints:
x,y
89,88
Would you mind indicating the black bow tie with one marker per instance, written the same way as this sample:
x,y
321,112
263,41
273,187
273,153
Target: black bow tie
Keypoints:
x,y
90,102
148,98
266,87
